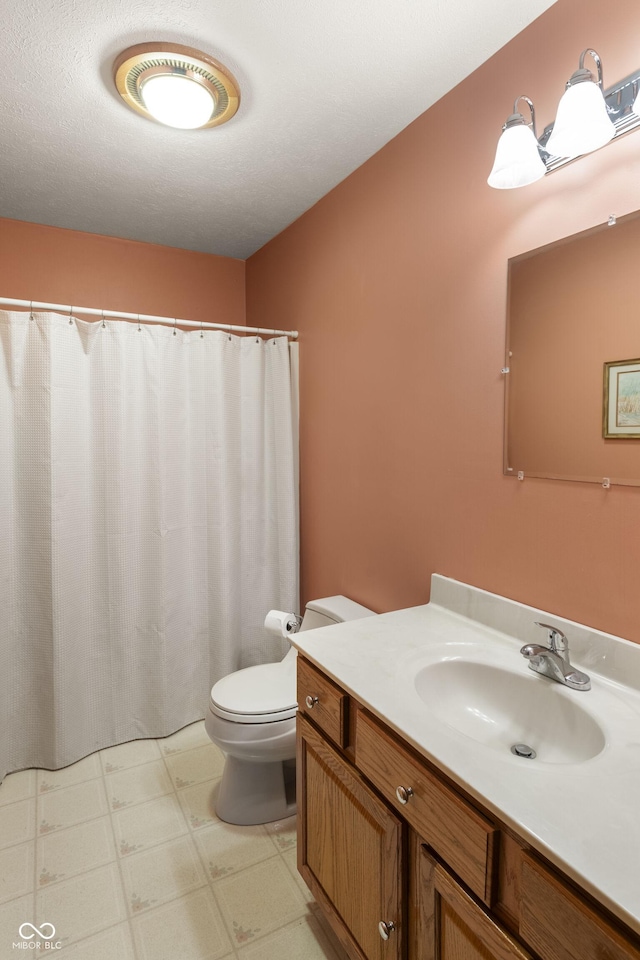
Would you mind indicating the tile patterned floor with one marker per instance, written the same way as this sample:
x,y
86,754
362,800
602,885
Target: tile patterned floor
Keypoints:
x,y
123,854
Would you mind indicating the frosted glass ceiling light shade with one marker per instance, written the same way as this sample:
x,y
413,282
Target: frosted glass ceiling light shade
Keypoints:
x,y
178,101
582,123
176,85
518,161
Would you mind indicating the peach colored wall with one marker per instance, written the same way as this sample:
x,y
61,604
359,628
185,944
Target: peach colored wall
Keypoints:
x,y
65,266
397,281
572,307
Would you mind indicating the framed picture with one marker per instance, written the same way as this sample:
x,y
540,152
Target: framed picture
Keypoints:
x,y
621,408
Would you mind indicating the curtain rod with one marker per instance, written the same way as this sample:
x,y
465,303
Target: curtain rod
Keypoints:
x,y
147,318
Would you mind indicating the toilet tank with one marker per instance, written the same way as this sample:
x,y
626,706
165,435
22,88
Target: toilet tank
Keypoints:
x,y
330,610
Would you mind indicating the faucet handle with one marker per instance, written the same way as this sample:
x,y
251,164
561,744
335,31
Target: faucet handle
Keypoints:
x,y
557,639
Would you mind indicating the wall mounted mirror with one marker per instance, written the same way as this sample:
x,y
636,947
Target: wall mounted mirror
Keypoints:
x,y
573,324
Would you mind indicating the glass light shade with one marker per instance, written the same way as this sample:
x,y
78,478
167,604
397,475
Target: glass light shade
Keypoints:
x,y
177,101
582,123
518,161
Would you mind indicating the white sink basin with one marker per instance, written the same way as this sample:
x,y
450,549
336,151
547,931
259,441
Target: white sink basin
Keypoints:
x,y
500,708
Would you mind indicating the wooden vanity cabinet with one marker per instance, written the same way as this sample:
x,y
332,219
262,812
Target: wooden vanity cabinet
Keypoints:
x,y
388,845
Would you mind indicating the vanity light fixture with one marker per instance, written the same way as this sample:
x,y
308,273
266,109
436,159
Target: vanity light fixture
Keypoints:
x,y
176,85
587,119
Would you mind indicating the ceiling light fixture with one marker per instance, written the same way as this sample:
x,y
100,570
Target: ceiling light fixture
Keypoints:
x,y
587,119
175,85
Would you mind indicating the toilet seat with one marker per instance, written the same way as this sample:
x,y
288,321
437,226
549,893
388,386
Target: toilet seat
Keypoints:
x,y
260,694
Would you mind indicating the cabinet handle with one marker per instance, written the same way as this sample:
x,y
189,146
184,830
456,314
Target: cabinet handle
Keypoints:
x,y
311,702
404,794
386,928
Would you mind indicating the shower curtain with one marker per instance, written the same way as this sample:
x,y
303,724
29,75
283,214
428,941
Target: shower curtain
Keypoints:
x,y
148,521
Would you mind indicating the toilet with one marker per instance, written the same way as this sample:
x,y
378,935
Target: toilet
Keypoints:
x,y
252,718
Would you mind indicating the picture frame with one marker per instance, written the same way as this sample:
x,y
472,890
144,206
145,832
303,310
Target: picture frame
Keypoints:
x,y
621,400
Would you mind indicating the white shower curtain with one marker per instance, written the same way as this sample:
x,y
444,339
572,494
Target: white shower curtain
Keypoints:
x,y
148,521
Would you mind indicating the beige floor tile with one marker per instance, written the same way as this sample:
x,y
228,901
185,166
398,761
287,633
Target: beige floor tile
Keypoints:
x,y
148,824
283,833
194,766
130,754
160,874
290,857
83,906
197,804
17,822
259,900
67,806
16,871
65,853
188,738
225,848
190,928
138,784
18,786
113,944
12,915
87,769
305,939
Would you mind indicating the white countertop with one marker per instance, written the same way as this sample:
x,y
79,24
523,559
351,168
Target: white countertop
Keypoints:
x,y
582,816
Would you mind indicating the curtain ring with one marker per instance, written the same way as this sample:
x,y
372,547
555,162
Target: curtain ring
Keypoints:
x,y
174,326
103,323
31,316
70,312
139,327
230,329
201,333
258,336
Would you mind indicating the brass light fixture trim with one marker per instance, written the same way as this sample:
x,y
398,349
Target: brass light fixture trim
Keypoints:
x,y
137,64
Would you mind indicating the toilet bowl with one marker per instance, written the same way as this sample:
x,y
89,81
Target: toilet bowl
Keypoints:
x,y
252,718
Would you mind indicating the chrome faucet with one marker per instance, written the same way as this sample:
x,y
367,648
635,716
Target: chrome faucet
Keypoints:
x,y
553,661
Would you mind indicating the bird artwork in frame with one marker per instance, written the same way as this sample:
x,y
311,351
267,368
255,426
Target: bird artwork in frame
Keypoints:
x,y
621,400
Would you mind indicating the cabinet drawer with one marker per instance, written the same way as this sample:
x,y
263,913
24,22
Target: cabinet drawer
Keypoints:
x,y
448,824
559,925
323,701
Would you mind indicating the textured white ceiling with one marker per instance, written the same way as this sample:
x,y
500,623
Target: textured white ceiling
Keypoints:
x,y
324,85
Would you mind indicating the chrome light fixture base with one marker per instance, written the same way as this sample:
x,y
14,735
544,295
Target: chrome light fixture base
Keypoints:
x,y
138,64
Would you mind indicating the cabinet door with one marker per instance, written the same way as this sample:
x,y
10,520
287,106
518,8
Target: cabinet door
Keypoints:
x,y
349,850
452,925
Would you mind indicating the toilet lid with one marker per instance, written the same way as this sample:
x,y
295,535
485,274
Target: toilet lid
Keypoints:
x,y
260,694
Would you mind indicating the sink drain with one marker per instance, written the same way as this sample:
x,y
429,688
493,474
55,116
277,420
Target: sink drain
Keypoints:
x,y
523,750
